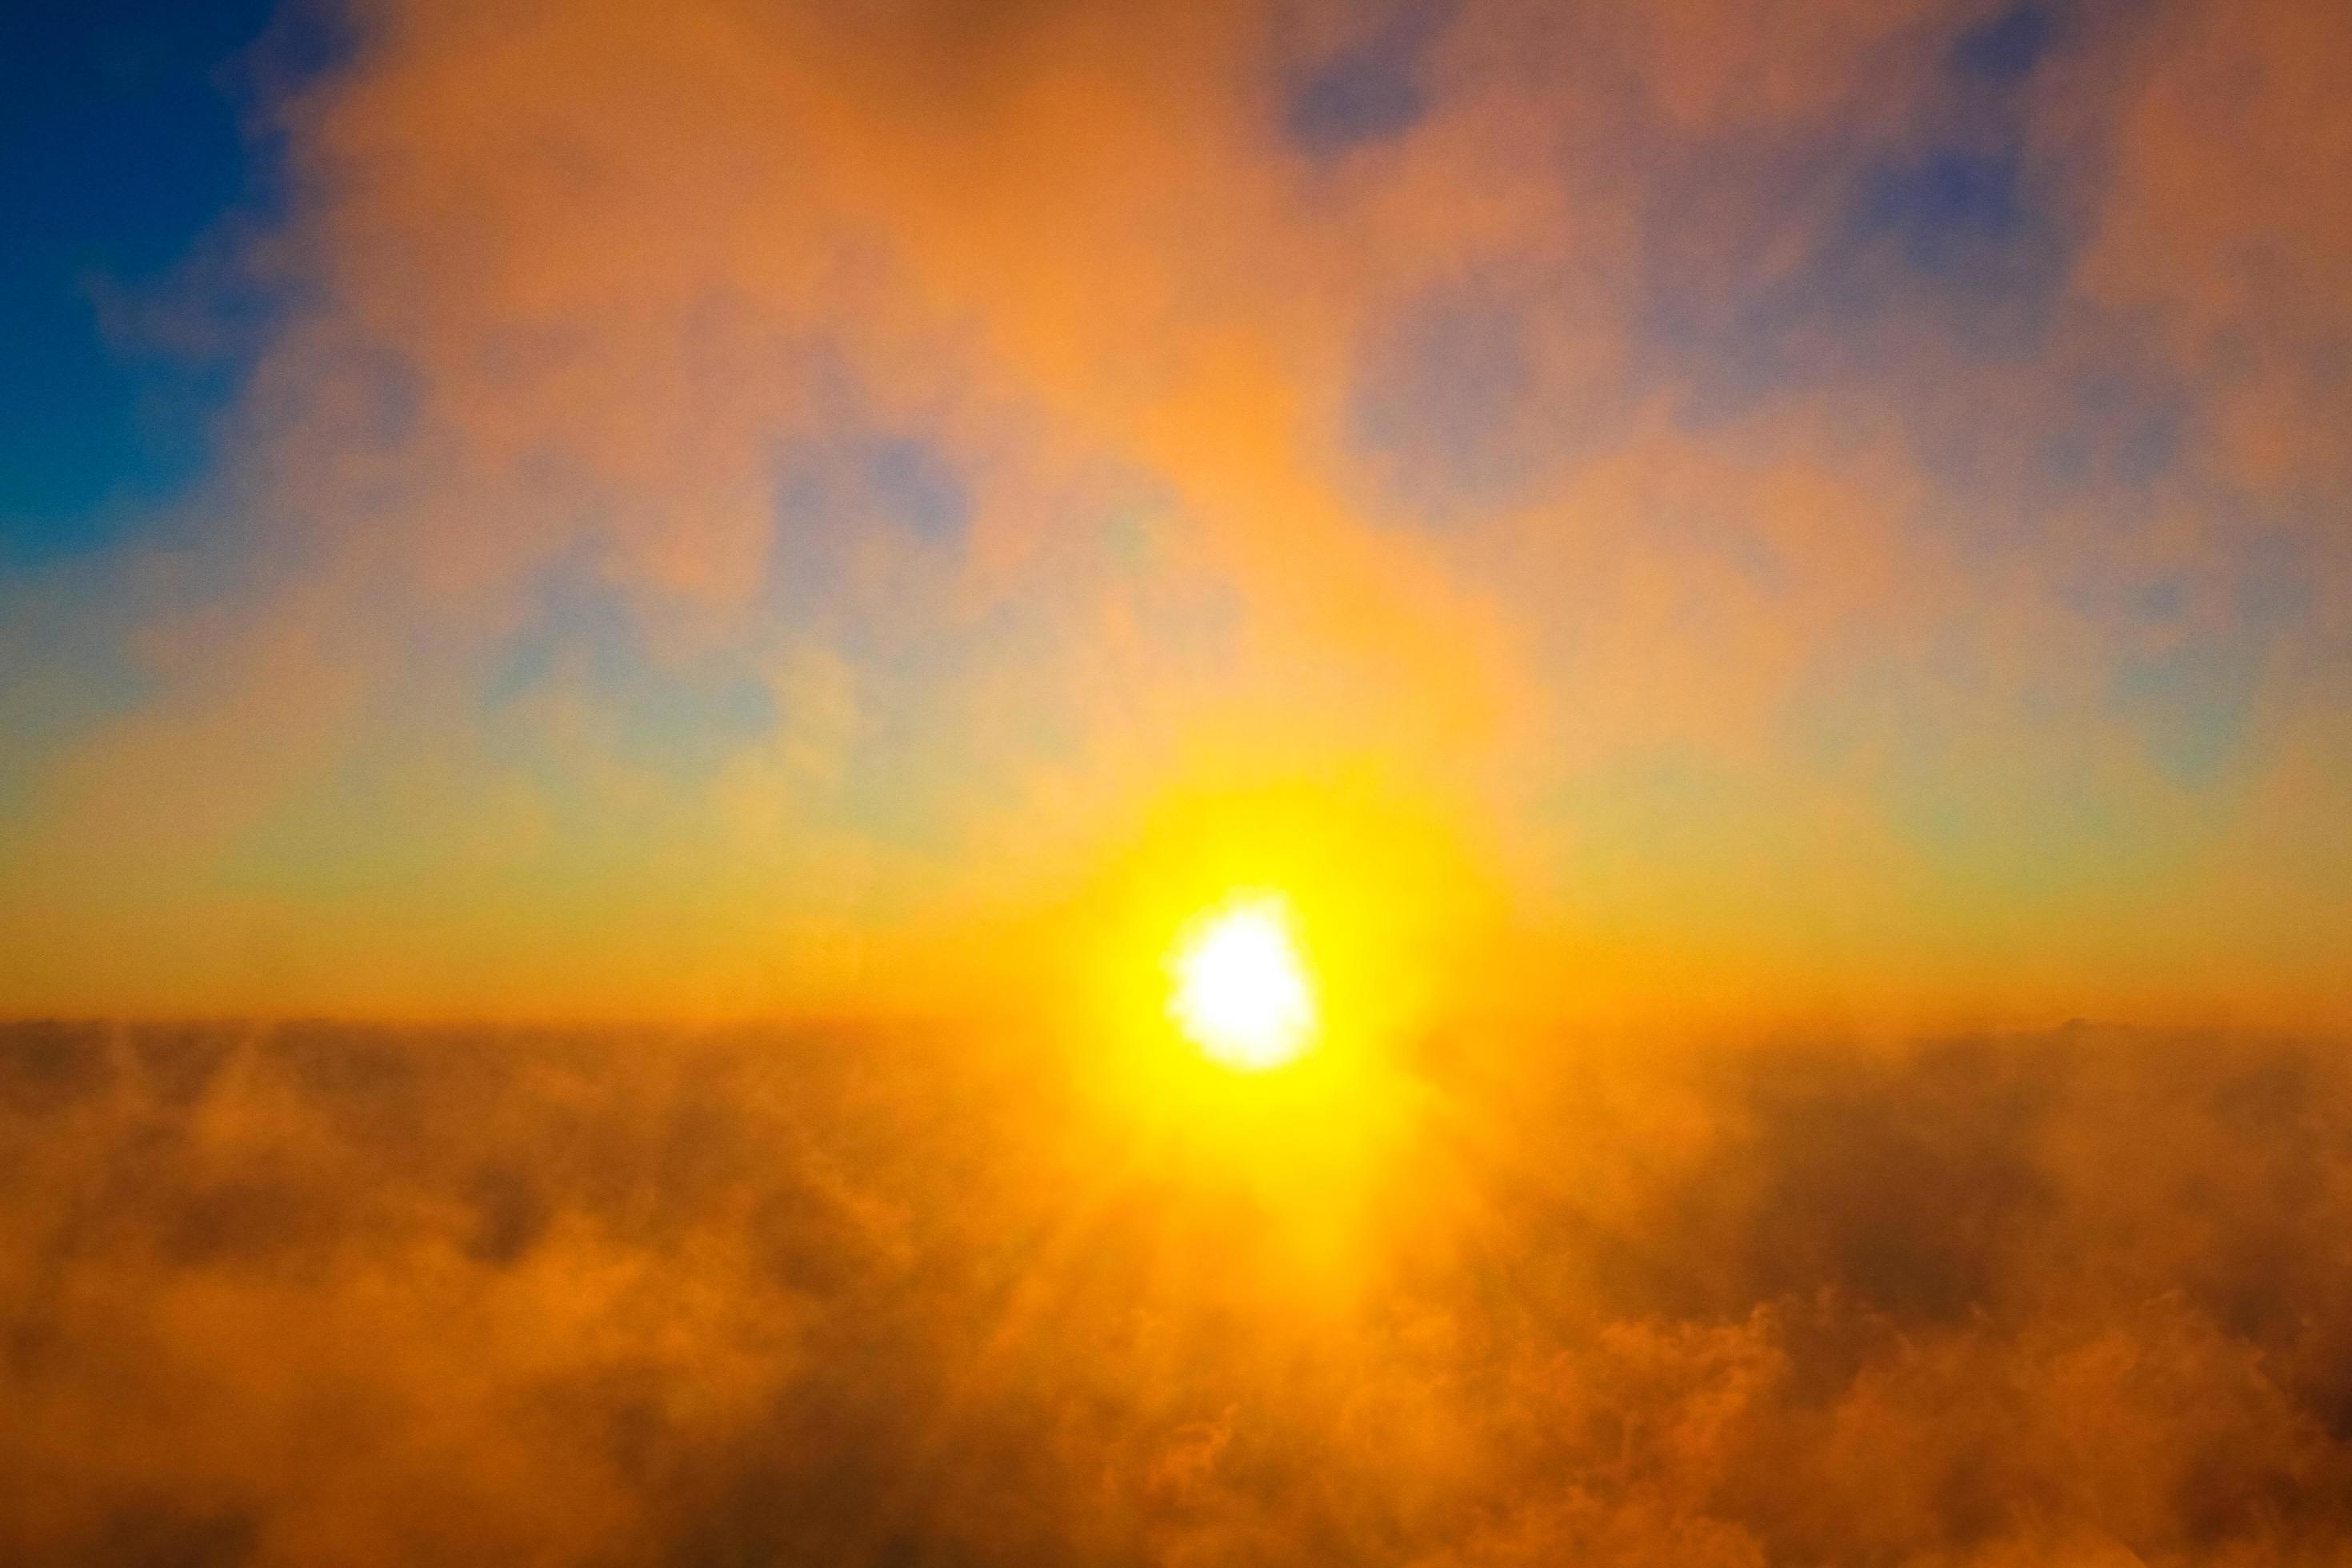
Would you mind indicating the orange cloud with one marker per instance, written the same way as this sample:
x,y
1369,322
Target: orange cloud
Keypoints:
x,y
815,476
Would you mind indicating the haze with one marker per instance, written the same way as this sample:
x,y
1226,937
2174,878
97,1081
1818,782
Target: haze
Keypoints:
x,y
925,782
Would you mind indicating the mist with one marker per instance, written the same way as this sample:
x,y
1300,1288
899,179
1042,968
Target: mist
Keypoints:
x,y
337,1294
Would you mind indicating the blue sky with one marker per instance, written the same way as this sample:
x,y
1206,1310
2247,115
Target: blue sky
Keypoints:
x,y
126,147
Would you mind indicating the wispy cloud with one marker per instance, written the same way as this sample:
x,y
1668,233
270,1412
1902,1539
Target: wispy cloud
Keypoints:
x,y
793,467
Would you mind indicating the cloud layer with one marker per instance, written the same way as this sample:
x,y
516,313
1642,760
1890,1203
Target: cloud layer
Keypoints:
x,y
307,1295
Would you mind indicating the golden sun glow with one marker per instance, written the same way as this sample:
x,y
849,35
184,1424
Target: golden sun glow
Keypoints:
x,y
1240,988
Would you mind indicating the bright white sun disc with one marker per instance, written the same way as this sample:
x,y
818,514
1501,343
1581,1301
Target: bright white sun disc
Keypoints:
x,y
1240,988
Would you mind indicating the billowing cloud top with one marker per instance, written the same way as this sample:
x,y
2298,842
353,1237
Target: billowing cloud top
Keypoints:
x,y
364,1297
1831,506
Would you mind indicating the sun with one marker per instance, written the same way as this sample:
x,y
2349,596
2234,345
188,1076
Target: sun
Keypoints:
x,y
1239,988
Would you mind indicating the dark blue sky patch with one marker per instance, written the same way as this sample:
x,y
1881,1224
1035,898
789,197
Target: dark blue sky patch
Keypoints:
x,y
1368,91
829,493
2149,446
2009,45
1368,96
2159,602
914,484
1946,209
1943,238
121,149
1903,257
833,494
2115,429
842,484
